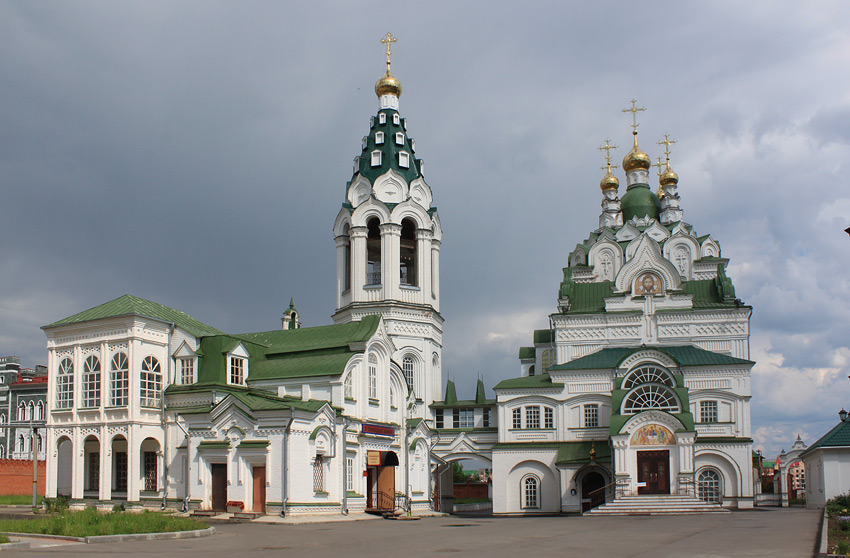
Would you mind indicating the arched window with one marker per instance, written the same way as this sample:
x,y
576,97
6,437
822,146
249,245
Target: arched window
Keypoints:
x,y
651,396
373,377
119,385
22,411
648,374
531,370
39,411
30,410
547,359
150,382
407,253
21,447
407,368
40,443
373,252
2,421
2,452
91,382
346,258
348,386
530,492
65,384
709,487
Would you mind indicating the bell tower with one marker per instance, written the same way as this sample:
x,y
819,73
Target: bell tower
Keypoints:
x,y
388,238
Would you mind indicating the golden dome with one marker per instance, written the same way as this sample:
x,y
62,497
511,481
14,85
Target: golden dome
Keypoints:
x,y
659,194
388,85
609,182
636,159
668,177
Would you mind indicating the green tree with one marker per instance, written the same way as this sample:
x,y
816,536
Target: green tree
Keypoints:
x,y
460,476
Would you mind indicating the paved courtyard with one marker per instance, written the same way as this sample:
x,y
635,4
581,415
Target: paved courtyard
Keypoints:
x,y
766,532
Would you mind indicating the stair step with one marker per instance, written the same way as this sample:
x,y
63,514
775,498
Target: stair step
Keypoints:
x,y
205,513
664,504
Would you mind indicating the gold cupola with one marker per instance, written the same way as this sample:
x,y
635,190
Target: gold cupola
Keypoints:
x,y
668,177
609,181
388,84
636,158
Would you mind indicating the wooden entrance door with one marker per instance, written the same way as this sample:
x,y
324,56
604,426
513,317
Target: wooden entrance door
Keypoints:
x,y
654,470
592,491
386,488
219,486
260,489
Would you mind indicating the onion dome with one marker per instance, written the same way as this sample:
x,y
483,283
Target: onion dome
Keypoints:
x,y
609,181
388,85
636,159
640,202
668,177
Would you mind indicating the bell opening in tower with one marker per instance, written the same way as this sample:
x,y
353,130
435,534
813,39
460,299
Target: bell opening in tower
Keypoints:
x,y
407,253
373,252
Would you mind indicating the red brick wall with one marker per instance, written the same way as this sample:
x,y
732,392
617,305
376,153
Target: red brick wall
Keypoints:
x,y
16,476
469,490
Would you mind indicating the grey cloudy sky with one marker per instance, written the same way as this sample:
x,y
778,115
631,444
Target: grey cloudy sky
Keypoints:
x,y
196,154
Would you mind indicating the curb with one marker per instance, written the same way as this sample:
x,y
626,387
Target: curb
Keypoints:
x,y
823,549
197,533
14,546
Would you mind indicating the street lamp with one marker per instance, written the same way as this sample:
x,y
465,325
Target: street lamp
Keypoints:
x,y
842,414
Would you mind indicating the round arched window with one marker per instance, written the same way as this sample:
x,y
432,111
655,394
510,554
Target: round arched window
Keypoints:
x,y
709,488
648,374
651,396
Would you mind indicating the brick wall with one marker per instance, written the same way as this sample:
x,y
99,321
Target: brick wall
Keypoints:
x,y
471,490
16,476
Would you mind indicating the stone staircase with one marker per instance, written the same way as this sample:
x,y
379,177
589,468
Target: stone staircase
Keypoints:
x,y
657,504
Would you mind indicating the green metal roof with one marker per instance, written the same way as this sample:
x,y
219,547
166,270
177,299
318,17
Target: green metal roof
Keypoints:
x,y
254,399
314,338
540,381
639,201
129,305
838,436
527,352
389,150
579,452
543,336
687,355
586,297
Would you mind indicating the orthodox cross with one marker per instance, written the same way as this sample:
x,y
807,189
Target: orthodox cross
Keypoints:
x,y
607,149
634,110
389,40
659,164
667,142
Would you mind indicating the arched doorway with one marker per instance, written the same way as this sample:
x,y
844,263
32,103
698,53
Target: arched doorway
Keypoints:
x,y
380,480
592,491
150,453
91,480
119,467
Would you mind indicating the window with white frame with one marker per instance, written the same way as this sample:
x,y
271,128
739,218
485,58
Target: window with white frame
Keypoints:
x,y
465,418
392,398
318,474
651,396
591,416
238,368
39,411
349,474
22,411
396,119
548,417
709,487
532,417
382,118
708,411
65,384
91,382
403,160
30,411
376,158
485,418
530,490
379,138
438,419
348,386
150,382
407,368
187,370
373,377
399,138
648,374
119,381
517,418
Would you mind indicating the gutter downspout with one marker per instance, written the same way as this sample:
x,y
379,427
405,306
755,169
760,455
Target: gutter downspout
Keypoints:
x,y
168,378
284,484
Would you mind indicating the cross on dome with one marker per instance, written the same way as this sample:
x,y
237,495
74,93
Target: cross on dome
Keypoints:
x,y
389,40
634,110
667,142
607,149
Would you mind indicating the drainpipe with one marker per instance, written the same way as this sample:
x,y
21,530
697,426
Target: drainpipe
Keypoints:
x,y
284,484
345,424
168,379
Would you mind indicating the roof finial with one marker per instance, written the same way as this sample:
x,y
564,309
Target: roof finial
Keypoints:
x,y
607,149
634,110
389,40
660,165
609,181
667,142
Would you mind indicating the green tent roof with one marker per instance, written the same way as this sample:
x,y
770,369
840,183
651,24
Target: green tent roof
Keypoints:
x,y
685,355
129,305
539,381
389,149
838,436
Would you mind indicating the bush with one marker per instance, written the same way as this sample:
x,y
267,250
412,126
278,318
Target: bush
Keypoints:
x,y
840,505
843,548
118,508
797,502
56,505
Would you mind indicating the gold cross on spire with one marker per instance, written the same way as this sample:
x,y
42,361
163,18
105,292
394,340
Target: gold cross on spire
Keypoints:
x,y
659,164
667,142
634,110
389,40
607,149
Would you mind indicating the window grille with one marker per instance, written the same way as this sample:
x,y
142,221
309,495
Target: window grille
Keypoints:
x,y
187,371
150,471
119,391
532,417
407,368
348,386
237,371
466,418
648,375
591,416
708,411
438,419
548,417
318,474
65,385
373,377
651,396
121,471
485,418
708,485
91,382
94,470
517,418
530,489
150,382
349,474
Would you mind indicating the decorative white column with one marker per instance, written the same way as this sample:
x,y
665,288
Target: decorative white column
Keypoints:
x,y
390,267
358,263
